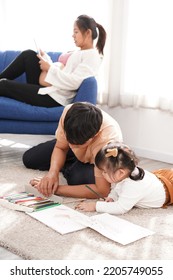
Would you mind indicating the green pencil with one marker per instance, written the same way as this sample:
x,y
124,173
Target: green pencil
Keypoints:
x,y
98,195
46,207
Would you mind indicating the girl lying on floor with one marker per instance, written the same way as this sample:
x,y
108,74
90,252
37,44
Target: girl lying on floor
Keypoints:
x,y
131,186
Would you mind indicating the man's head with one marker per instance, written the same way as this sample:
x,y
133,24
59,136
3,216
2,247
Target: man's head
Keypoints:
x,y
82,122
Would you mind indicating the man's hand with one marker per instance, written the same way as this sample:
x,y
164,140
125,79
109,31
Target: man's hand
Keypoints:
x,y
46,185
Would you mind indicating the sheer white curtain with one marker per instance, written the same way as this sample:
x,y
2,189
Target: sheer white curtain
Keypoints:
x,y
141,72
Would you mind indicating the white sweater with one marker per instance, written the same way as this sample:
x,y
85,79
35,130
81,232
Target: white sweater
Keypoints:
x,y
146,193
65,82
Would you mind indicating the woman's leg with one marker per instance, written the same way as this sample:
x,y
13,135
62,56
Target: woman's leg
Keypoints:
x,y
26,62
38,157
27,93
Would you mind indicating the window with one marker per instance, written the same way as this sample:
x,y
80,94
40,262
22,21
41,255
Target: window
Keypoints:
x,y
147,54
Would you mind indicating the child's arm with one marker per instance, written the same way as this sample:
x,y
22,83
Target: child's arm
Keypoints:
x,y
90,206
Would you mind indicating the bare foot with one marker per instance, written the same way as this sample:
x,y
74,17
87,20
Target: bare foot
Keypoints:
x,y
34,182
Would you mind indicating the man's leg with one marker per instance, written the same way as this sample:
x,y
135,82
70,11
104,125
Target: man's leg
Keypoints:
x,y
74,171
78,173
38,157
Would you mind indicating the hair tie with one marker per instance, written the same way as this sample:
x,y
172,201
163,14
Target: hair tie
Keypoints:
x,y
135,172
111,152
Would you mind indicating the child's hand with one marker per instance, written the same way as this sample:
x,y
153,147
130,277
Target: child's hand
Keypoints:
x,y
86,206
109,199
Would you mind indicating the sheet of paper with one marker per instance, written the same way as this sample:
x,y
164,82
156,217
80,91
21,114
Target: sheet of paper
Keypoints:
x,y
61,218
64,220
118,229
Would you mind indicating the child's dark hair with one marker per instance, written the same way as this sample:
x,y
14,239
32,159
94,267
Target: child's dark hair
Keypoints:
x,y
82,122
85,22
118,155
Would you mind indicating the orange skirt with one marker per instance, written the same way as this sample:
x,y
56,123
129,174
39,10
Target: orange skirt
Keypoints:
x,y
166,177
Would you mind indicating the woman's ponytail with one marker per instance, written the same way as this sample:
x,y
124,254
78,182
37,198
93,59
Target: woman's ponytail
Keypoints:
x,y
101,38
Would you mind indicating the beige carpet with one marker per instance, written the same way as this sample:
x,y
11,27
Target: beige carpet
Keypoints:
x,y
31,239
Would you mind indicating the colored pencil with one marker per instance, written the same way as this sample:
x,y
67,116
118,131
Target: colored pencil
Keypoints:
x,y
96,193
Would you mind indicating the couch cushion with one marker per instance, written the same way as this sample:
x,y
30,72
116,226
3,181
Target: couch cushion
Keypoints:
x,y
15,110
28,127
11,109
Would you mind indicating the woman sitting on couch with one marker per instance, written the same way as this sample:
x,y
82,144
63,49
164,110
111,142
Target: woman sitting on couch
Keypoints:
x,y
53,84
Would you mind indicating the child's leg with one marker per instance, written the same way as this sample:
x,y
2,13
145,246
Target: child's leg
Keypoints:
x,y
166,176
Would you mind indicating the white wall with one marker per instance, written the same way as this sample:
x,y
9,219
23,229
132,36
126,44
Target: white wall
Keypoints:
x,y
148,132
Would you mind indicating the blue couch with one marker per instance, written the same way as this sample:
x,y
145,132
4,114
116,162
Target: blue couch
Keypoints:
x,y
21,118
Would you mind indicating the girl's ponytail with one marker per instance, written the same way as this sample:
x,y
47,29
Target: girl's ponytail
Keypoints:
x,y
137,174
117,155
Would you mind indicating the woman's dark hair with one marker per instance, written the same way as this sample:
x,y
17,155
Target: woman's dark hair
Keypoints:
x,y
85,22
118,155
82,122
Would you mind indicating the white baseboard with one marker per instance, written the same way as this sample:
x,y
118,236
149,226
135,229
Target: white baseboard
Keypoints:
x,y
168,158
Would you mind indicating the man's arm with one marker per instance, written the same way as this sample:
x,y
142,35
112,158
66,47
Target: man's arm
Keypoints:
x,y
101,186
50,182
